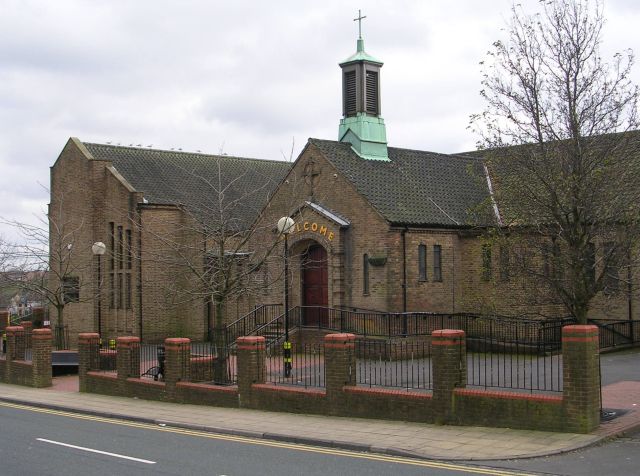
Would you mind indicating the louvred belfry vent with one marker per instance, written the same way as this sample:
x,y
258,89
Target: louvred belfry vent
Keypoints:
x,y
350,105
372,106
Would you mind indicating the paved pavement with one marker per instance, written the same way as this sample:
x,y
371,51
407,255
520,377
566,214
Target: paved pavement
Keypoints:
x,y
389,437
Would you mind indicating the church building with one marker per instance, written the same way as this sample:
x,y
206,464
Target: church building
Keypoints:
x,y
375,228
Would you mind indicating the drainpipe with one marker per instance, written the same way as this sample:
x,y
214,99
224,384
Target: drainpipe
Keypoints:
x,y
140,271
629,288
404,269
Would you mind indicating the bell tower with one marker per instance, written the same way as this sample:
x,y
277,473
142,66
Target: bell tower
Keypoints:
x,y
361,124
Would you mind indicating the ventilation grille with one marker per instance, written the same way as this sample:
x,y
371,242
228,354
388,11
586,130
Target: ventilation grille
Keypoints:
x,y
350,108
372,93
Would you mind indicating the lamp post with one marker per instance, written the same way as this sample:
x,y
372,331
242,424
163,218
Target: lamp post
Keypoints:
x,y
285,227
98,249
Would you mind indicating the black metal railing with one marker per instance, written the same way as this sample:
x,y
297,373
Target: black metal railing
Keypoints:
x,y
617,333
151,364
211,364
307,365
521,362
60,338
404,365
258,317
107,358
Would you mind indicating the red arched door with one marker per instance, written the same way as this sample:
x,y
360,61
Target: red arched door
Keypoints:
x,y
315,288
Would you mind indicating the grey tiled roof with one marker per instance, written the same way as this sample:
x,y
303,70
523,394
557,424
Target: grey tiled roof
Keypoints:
x,y
192,180
415,187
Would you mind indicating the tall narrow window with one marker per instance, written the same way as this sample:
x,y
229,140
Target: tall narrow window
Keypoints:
x,y
128,291
129,250
365,274
112,290
486,262
504,263
422,262
120,249
437,263
119,304
611,276
112,244
590,265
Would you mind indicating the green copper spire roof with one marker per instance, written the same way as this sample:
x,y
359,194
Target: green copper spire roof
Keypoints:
x,y
361,55
361,124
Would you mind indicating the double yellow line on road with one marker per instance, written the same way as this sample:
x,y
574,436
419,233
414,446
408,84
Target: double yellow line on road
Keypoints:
x,y
274,444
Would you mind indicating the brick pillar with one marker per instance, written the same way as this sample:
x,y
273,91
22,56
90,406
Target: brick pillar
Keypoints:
x,y
580,370
127,355
449,359
15,343
28,328
176,364
41,358
88,356
251,367
339,367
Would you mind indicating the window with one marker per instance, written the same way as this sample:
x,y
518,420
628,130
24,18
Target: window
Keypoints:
x,y
590,264
422,262
120,249
437,263
365,274
611,277
486,262
128,291
112,291
129,250
71,289
120,302
112,244
504,263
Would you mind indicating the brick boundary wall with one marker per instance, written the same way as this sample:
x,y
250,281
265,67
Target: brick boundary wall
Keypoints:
x,y
575,410
14,369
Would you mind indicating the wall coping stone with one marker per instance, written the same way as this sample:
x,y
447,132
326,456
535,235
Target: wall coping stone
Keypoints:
x,y
387,392
472,392
14,329
207,387
146,381
448,334
41,334
278,388
86,337
580,329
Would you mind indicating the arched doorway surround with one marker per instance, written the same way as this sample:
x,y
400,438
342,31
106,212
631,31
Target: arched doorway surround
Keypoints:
x,y
315,285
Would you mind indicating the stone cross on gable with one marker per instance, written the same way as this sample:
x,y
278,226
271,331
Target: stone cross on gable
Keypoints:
x,y
359,20
311,174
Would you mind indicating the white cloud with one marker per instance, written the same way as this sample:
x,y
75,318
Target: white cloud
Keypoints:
x,y
244,76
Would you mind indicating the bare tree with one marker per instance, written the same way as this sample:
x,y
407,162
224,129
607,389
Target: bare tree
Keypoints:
x,y
557,134
207,246
48,259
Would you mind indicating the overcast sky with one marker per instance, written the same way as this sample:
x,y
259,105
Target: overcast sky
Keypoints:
x,y
242,77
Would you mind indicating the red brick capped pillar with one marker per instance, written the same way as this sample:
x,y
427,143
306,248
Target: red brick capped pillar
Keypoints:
x,y
251,366
15,343
41,358
127,356
88,356
28,328
339,366
580,370
176,364
449,360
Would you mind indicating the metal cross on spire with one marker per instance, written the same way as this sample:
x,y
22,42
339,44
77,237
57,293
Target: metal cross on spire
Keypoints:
x,y
359,20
